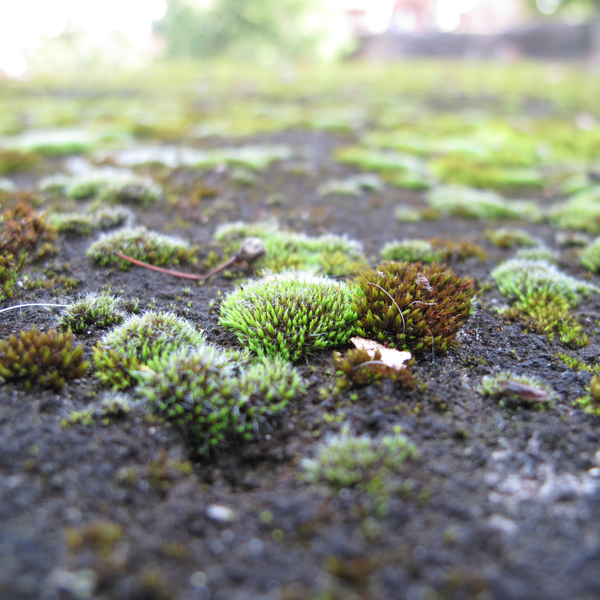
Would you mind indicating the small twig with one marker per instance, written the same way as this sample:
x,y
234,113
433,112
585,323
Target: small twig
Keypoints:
x,y
26,305
159,269
251,250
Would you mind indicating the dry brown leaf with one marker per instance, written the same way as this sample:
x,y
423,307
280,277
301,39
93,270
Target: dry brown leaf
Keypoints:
x,y
396,359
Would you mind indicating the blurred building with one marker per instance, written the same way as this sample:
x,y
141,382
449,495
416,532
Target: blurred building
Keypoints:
x,y
416,16
393,29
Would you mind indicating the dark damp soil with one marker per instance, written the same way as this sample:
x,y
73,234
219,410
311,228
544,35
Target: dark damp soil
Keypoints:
x,y
504,501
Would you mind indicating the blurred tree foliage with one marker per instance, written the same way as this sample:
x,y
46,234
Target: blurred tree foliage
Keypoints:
x,y
579,8
249,29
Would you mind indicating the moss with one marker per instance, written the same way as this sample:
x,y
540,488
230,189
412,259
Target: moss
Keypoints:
x,y
346,461
79,223
112,186
590,256
518,279
266,390
17,161
357,368
255,158
84,223
412,306
591,401
513,389
101,536
78,417
351,186
549,313
399,169
407,214
95,310
47,359
411,251
537,253
141,244
543,297
290,314
22,229
581,211
286,250
460,170
196,390
24,235
215,397
509,237
140,341
56,142
479,204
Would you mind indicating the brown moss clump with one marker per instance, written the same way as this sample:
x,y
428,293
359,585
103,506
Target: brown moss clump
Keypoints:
x,y
48,359
16,161
411,306
357,368
24,235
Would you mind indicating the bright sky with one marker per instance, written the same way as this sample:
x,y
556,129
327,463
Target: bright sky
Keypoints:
x,y
24,22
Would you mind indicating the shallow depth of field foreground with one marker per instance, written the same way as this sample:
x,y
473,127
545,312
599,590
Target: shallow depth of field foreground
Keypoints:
x,y
381,381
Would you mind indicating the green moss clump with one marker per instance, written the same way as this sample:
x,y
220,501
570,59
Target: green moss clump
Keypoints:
x,y
399,169
537,253
411,251
139,341
84,223
80,223
95,310
407,214
48,358
351,186
290,314
590,256
591,401
266,389
112,186
518,279
214,396
516,389
141,244
509,237
196,390
479,204
346,461
543,296
411,306
460,170
286,250
581,211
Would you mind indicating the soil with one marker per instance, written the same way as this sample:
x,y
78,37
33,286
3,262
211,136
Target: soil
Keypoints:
x,y
505,501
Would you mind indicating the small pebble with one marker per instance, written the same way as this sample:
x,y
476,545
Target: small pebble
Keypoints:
x,y
222,514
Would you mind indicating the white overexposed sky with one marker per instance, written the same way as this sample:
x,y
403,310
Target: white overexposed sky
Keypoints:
x,y
24,22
